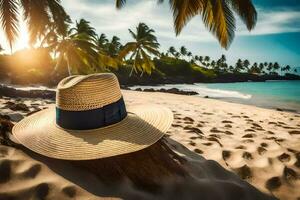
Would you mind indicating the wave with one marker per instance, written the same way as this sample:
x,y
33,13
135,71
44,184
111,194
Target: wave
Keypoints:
x,y
201,90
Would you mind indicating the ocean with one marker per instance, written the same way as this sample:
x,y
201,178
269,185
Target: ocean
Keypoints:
x,y
284,95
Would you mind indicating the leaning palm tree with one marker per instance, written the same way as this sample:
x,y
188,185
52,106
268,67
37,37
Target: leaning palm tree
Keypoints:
x,y
217,15
101,41
114,46
183,51
172,51
37,13
144,44
83,27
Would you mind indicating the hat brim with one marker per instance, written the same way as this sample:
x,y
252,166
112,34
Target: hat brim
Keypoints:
x,y
143,126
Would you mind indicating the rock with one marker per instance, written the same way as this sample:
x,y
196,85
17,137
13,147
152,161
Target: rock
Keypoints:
x,y
12,92
172,91
17,106
149,90
15,117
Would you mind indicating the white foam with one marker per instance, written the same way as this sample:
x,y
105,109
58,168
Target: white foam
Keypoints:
x,y
201,89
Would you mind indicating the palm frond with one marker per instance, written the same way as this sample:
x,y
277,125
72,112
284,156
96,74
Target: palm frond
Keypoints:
x,y
184,11
129,47
120,3
246,10
9,20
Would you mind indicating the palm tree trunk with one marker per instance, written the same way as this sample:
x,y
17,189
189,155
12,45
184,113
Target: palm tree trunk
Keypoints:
x,y
130,74
69,67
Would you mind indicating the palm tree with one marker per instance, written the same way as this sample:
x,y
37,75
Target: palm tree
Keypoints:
x,y
276,66
190,55
76,49
246,64
144,44
261,67
101,41
83,27
38,15
114,46
218,16
287,68
239,66
183,51
270,67
172,51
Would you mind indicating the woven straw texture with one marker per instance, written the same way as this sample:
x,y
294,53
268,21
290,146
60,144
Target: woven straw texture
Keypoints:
x,y
40,133
143,126
78,93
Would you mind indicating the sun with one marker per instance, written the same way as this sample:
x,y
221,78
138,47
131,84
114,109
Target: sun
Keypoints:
x,y
23,38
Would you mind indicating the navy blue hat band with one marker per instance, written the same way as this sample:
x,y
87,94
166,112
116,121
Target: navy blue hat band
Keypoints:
x,y
91,119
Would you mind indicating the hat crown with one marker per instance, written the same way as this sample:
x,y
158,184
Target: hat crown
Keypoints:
x,y
80,93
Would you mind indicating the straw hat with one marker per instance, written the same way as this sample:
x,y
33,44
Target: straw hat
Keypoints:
x,y
90,121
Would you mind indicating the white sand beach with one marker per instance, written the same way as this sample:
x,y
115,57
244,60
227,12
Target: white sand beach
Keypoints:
x,y
261,146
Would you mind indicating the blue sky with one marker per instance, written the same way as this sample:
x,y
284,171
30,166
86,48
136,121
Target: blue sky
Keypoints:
x,y
275,38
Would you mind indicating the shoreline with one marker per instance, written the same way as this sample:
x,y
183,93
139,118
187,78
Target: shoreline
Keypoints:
x,y
19,91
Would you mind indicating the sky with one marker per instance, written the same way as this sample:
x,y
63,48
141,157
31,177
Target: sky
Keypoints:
x,y
276,36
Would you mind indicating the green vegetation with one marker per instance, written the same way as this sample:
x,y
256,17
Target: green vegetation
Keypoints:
x,y
60,48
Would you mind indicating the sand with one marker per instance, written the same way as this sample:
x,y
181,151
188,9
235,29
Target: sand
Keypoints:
x,y
220,140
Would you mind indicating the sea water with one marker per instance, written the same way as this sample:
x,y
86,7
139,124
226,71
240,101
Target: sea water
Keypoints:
x,y
283,95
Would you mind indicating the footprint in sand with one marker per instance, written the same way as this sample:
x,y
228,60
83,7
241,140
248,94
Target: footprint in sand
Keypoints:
x,y
290,174
215,135
271,132
249,135
294,132
247,156
199,125
196,137
198,151
207,143
248,141
240,147
249,130
192,143
215,130
213,139
176,125
273,123
244,172
264,144
193,130
261,150
207,113
273,183
284,157
42,190
188,119
69,191
228,126
227,122
228,133
226,154
32,172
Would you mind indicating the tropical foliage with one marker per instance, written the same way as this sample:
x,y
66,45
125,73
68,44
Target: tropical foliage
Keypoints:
x,y
140,50
217,15
37,13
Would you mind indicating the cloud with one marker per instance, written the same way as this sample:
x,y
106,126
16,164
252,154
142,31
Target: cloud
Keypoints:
x,y
106,18
274,22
